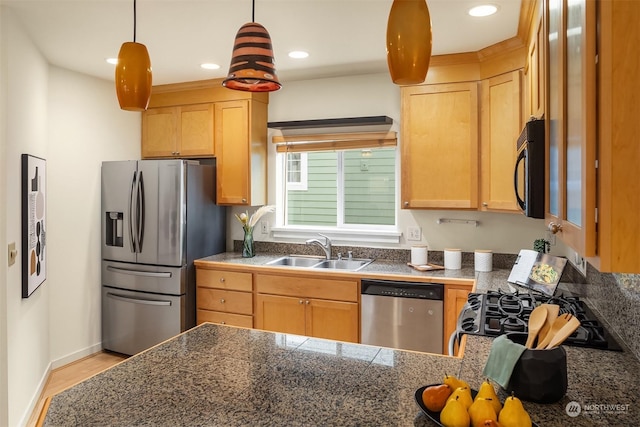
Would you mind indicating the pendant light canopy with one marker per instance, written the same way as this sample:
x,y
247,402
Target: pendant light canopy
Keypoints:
x,y
133,74
408,41
252,66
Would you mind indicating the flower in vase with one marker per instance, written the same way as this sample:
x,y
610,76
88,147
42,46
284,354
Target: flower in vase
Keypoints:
x,y
248,222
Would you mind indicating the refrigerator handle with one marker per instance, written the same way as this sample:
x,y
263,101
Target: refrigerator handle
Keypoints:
x,y
160,274
140,211
137,300
132,206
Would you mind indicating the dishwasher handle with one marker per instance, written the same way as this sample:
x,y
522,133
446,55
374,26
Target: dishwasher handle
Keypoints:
x,y
394,288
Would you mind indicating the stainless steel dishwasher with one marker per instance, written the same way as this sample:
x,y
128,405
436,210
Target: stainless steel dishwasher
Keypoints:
x,y
403,315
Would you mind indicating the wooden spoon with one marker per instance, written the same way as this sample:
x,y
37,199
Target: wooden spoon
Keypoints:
x,y
564,332
536,321
552,314
560,321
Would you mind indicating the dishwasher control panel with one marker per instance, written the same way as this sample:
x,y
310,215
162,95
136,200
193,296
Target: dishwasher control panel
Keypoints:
x,y
433,291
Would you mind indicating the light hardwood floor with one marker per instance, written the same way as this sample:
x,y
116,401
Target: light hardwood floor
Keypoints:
x,y
66,376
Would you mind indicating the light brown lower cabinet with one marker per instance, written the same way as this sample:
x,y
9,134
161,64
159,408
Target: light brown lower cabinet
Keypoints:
x,y
224,297
454,299
301,306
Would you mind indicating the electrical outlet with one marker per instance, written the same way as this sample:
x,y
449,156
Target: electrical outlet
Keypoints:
x,y
580,263
264,227
414,233
550,237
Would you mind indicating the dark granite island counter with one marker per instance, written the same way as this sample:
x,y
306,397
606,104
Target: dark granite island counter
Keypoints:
x,y
218,375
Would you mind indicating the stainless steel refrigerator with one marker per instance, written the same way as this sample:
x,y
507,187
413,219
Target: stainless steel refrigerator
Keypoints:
x,y
158,216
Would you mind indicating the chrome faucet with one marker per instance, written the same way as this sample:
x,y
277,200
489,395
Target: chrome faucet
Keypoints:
x,y
326,246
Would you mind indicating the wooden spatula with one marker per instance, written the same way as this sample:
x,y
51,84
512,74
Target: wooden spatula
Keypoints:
x,y
536,321
552,314
564,332
560,321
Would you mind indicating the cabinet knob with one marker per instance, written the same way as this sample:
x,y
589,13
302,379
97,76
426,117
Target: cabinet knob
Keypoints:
x,y
485,204
300,302
554,228
222,280
307,302
223,323
406,204
221,300
244,200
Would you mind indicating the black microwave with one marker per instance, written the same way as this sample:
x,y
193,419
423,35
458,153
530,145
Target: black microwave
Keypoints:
x,y
530,167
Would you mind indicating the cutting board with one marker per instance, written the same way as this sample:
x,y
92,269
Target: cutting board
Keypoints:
x,y
427,267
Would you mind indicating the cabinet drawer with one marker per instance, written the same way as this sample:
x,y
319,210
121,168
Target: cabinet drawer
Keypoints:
x,y
342,290
223,300
224,280
225,318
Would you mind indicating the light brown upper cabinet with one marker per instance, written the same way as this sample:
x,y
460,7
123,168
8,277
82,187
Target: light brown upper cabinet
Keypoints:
x,y
241,150
501,124
202,119
184,131
534,71
440,146
571,160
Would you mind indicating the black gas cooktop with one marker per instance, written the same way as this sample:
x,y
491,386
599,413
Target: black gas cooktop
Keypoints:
x,y
497,312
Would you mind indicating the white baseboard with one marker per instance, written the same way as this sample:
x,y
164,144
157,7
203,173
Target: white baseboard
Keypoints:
x,y
76,355
54,364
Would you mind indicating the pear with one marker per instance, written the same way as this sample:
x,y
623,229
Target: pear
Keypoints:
x,y
513,414
482,410
454,414
487,391
463,394
454,382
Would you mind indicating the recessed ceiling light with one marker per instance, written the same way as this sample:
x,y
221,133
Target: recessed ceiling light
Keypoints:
x,y
112,61
483,10
298,54
208,66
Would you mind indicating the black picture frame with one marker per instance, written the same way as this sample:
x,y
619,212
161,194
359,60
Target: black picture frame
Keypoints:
x,y
34,200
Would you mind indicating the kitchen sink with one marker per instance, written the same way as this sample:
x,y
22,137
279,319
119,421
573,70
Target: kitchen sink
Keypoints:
x,y
344,264
313,262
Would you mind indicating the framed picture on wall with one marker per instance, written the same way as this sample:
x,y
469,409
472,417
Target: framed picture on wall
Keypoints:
x,y
34,216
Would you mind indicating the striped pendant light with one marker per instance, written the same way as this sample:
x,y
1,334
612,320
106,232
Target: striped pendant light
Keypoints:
x,y
252,66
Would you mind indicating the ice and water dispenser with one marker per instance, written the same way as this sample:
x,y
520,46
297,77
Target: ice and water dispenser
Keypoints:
x,y
113,230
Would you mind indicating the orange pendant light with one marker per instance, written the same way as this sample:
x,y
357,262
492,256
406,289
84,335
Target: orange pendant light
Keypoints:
x,y
252,66
133,74
408,41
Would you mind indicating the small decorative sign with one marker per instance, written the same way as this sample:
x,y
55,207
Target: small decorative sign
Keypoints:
x,y
34,265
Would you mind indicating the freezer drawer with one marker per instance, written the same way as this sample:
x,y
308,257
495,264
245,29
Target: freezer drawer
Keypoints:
x,y
135,321
144,278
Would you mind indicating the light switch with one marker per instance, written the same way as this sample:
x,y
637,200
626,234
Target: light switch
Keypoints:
x,y
13,253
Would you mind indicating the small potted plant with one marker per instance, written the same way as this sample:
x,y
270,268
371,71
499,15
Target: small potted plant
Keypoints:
x,y
541,245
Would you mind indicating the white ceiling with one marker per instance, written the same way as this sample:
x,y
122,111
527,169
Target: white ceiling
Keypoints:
x,y
344,37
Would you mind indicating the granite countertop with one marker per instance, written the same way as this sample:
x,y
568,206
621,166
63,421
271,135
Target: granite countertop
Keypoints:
x,y
222,375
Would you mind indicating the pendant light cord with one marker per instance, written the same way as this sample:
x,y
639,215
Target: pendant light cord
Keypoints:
x,y
253,10
134,21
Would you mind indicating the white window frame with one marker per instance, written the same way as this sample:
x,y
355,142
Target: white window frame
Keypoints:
x,y
353,233
302,185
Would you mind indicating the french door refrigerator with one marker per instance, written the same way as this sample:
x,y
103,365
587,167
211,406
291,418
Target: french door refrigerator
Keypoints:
x,y
158,216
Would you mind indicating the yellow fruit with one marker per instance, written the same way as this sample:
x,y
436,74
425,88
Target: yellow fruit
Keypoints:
x,y
487,391
435,397
463,394
513,414
482,410
454,382
454,414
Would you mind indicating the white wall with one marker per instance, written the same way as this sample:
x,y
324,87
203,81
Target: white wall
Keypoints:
x,y
74,122
86,126
376,95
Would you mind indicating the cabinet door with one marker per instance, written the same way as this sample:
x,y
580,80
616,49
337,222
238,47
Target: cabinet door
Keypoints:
x,y
196,130
334,320
280,314
454,300
440,146
232,151
160,132
572,118
535,69
501,103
